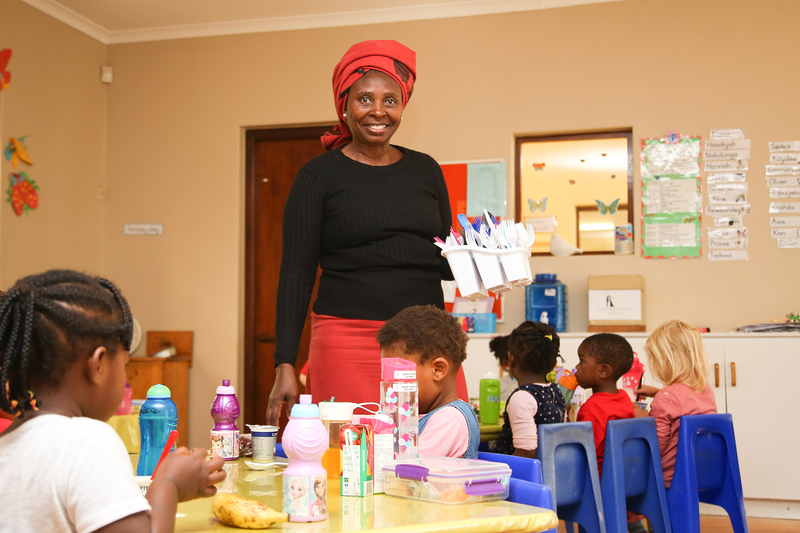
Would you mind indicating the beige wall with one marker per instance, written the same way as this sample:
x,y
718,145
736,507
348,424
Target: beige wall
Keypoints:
x,y
57,99
177,111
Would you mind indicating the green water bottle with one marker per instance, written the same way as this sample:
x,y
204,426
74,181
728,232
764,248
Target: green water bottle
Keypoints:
x,y
490,399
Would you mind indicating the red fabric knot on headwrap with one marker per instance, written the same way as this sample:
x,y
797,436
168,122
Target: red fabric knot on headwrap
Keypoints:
x,y
390,57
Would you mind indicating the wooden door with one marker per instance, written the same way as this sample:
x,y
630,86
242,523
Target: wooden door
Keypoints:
x,y
273,159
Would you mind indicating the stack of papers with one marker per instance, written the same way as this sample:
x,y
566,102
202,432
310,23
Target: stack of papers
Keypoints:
x,y
771,328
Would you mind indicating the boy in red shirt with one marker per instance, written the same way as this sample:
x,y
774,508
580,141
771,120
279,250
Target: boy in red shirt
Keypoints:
x,y
603,359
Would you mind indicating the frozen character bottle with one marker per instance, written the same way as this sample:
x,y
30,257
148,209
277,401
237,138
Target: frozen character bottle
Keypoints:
x,y
399,402
157,417
305,486
225,411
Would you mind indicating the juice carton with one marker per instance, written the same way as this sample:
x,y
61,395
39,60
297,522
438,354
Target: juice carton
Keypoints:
x,y
358,450
383,449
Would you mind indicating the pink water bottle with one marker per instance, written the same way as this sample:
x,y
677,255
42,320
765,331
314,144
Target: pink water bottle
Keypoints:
x,y
634,376
305,481
225,411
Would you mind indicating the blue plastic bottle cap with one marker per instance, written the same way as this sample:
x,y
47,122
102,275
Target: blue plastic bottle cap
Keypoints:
x,y
545,278
159,391
305,409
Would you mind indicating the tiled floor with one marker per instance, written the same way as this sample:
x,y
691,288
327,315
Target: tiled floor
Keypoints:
x,y
719,524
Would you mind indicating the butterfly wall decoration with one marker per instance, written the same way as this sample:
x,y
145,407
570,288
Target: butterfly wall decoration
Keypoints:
x,y
607,208
572,182
5,76
541,205
538,166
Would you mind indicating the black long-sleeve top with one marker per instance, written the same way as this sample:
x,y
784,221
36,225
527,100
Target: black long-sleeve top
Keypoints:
x,y
371,229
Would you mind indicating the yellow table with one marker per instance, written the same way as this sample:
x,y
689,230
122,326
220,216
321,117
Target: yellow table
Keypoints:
x,y
490,432
380,512
127,427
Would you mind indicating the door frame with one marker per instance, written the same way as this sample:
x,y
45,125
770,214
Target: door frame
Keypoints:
x,y
251,136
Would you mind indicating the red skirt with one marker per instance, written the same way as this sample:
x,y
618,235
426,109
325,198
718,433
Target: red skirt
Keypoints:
x,y
345,361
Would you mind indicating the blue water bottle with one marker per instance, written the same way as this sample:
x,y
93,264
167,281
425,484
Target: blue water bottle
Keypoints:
x,y
546,301
157,417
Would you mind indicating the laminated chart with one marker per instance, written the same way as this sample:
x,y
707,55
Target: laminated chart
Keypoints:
x,y
783,182
726,158
671,197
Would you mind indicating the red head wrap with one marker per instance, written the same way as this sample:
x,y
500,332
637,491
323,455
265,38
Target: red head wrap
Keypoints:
x,y
390,57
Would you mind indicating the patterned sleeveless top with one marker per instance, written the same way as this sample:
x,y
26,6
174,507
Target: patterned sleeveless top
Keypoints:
x,y
551,410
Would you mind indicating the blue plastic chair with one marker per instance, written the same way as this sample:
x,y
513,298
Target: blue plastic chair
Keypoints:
x,y
706,470
525,492
632,478
569,468
523,468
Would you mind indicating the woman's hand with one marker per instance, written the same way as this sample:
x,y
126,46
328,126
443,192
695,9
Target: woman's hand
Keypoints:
x,y
646,390
284,392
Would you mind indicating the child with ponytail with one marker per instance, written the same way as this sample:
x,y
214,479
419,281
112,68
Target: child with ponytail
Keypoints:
x,y
64,342
532,351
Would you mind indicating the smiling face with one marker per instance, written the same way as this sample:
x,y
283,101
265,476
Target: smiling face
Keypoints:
x,y
297,489
374,108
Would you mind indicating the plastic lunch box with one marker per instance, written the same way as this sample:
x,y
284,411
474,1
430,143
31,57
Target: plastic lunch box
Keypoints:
x,y
447,480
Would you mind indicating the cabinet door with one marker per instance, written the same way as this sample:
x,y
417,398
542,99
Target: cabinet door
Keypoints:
x,y
762,405
717,376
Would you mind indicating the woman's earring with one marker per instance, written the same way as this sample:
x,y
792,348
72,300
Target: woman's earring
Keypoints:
x,y
344,115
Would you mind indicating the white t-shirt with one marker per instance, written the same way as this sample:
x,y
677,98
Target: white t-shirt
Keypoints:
x,y
65,474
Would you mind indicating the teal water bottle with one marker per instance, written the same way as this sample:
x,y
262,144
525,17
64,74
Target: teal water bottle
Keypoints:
x,y
490,399
546,301
157,417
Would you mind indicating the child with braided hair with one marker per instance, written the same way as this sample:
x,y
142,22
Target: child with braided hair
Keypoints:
x,y
532,351
64,343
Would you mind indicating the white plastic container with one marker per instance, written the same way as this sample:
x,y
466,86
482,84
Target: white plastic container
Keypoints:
x,y
447,480
466,273
517,266
490,269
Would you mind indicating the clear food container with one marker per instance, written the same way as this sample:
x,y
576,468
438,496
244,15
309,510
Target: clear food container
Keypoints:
x,y
447,480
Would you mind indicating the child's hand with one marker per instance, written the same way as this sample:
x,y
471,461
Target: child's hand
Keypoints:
x,y
190,472
646,390
639,412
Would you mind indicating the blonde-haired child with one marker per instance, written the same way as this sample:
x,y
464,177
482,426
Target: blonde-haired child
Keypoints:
x,y
678,359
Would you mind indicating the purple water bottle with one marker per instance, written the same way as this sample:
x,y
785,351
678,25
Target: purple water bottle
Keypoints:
x,y
305,481
225,411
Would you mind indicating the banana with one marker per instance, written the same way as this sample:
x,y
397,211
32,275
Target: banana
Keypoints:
x,y
248,514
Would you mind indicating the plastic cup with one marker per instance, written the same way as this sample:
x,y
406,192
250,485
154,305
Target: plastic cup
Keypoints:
x,y
517,266
490,270
264,439
466,273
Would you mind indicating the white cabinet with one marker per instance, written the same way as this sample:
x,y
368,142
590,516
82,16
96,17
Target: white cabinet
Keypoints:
x,y
756,381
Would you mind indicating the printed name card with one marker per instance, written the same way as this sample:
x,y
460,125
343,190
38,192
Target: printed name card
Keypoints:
x,y
727,255
735,221
784,192
782,182
727,134
722,166
728,210
783,170
787,158
784,222
727,144
785,233
726,155
784,146
784,207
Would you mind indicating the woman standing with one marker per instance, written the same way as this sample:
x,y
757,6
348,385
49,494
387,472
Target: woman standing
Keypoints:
x,y
366,212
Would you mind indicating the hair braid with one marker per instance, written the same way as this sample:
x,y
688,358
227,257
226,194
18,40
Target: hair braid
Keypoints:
x,y
535,347
50,320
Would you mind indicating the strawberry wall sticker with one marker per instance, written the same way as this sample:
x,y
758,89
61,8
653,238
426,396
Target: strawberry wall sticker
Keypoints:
x,y
22,193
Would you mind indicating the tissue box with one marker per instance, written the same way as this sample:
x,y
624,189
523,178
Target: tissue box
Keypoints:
x,y
616,303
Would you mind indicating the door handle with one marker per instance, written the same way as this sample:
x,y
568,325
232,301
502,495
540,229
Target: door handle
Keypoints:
x,y
716,375
733,374
265,338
